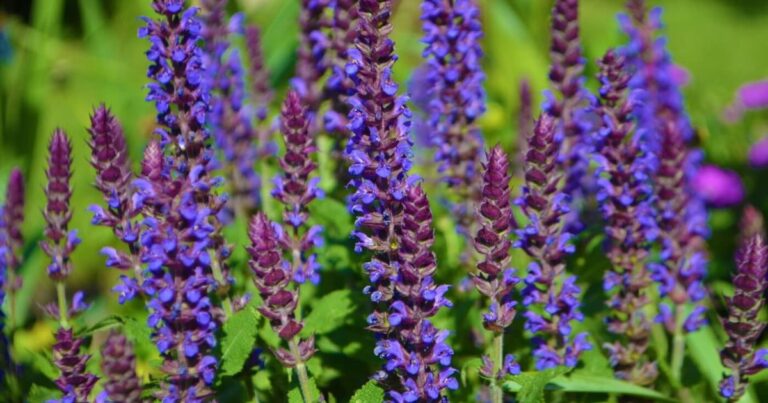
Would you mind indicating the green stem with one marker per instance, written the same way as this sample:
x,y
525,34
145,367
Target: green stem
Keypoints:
x,y
63,309
301,371
219,277
497,393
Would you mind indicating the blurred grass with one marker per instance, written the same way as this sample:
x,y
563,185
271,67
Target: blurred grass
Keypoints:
x,y
70,55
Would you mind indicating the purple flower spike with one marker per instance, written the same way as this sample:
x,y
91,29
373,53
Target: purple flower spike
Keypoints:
x,y
758,154
626,197
295,190
74,381
272,277
339,87
261,91
454,78
118,364
11,238
571,105
311,63
550,294
754,95
717,186
182,246
664,126
742,324
416,352
60,241
495,279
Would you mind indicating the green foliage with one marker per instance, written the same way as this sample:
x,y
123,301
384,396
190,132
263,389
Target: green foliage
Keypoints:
x,y
328,314
369,393
239,340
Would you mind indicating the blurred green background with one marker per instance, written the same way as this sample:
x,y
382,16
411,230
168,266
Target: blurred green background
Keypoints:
x,y
60,58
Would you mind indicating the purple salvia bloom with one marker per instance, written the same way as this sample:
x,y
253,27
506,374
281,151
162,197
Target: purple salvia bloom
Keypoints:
x,y
549,293
182,245
261,91
339,86
60,242
625,195
570,104
5,356
758,154
495,279
118,364
393,220
311,63
12,217
750,96
295,190
452,33
74,381
416,352
742,324
717,186
272,277
664,126
752,223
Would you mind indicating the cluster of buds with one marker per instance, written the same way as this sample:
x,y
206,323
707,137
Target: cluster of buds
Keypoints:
x,y
181,243
118,364
74,381
339,86
272,277
625,194
742,324
295,190
550,294
495,279
572,105
11,242
311,63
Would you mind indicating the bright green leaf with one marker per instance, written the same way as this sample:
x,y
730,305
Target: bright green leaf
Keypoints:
x,y
369,393
329,313
333,216
104,324
530,385
239,338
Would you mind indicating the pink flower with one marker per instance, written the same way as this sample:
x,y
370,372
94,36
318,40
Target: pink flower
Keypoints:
x,y
717,186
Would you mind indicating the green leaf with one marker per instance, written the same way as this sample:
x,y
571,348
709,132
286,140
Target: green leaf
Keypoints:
x,y
369,393
333,216
531,386
329,313
239,339
106,323
470,367
39,393
294,396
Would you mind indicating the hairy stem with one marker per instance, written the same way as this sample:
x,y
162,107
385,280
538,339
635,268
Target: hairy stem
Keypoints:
x,y
497,393
301,371
63,309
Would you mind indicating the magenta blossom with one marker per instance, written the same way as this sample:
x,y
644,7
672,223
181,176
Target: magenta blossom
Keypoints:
x,y
758,153
717,186
680,75
753,95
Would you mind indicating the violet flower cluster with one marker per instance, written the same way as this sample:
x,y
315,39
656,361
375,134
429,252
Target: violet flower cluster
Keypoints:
x,y
181,242
626,198
295,190
74,381
570,104
393,221
5,356
11,244
452,34
339,86
741,323
118,364
495,279
664,127
550,294
311,63
230,118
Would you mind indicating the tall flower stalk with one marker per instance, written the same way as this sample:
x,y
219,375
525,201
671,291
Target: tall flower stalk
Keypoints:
x,y
452,33
681,215
393,221
570,103
311,61
339,86
494,278
550,294
13,218
118,364
272,275
182,246
626,198
74,382
741,323
296,190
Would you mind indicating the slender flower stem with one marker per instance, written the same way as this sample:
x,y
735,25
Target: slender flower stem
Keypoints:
x,y
62,295
678,344
301,371
219,277
497,393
